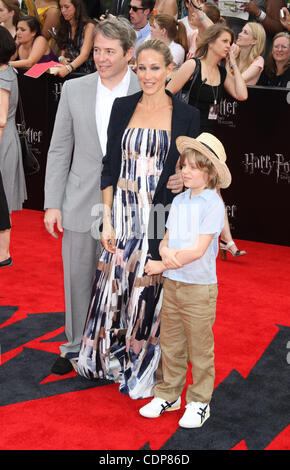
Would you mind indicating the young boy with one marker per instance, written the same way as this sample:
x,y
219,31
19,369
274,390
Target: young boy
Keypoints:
x,y
188,251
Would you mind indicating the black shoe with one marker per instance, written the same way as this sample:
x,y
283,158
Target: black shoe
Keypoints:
x,y
6,262
61,366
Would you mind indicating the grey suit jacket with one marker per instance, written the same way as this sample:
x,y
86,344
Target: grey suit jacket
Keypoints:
x,y
74,161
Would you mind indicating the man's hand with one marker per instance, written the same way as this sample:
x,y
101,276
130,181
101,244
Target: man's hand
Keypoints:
x,y
51,217
252,8
175,181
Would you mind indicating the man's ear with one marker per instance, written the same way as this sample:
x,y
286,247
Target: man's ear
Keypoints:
x,y
129,54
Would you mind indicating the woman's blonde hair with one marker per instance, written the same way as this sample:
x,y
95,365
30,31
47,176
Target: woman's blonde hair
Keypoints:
x,y
176,30
158,46
257,49
204,164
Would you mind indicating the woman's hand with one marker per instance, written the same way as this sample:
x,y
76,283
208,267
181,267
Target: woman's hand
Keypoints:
x,y
65,61
62,71
196,3
169,259
108,237
285,21
234,51
175,181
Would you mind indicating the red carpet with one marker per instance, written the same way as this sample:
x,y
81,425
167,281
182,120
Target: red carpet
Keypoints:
x,y
251,348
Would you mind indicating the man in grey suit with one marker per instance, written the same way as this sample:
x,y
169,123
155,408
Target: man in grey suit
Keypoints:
x,y
74,163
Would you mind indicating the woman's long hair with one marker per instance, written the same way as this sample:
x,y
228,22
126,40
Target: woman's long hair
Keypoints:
x,y
257,49
64,30
13,5
176,30
210,35
270,64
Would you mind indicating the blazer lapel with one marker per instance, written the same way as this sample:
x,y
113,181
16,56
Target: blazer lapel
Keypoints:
x,y
131,105
178,123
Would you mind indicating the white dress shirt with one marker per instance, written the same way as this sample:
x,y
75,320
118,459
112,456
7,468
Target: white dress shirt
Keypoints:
x,y
104,102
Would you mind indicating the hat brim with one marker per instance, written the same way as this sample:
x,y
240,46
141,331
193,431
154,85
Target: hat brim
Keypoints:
x,y
224,175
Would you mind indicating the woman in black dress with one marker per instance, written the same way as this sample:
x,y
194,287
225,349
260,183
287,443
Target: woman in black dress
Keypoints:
x,y
75,39
207,90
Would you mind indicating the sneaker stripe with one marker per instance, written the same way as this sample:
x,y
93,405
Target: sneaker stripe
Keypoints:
x,y
169,405
203,414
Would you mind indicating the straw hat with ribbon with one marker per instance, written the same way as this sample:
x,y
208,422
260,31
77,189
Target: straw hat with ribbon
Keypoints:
x,y
212,148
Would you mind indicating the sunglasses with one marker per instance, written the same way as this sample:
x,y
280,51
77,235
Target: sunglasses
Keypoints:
x,y
136,8
194,6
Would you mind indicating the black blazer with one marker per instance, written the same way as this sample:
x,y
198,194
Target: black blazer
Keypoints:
x,y
117,11
185,121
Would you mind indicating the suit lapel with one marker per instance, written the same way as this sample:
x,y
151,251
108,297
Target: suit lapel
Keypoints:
x,y
134,85
89,102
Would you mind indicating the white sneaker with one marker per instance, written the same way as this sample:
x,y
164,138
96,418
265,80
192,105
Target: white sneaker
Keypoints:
x,y
195,415
157,406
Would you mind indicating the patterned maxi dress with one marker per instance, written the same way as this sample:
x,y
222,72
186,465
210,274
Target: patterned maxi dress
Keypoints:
x,y
121,335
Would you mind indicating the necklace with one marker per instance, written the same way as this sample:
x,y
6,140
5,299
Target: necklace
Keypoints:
x,y
215,94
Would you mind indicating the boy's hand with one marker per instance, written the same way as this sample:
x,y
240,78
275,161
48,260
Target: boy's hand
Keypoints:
x,y
154,267
169,259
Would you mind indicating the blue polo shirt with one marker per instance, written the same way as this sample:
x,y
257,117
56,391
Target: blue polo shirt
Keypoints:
x,y
142,35
189,217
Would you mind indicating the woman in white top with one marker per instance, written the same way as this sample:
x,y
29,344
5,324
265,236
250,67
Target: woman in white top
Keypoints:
x,y
249,50
188,20
173,34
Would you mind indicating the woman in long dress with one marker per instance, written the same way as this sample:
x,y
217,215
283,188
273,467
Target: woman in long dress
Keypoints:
x,y
121,336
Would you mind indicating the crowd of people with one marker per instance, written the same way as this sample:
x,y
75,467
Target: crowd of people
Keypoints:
x,y
133,137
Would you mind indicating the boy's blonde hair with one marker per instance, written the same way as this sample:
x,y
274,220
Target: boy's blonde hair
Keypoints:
x,y
204,164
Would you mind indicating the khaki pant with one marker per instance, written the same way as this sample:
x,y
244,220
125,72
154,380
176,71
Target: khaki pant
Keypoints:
x,y
187,318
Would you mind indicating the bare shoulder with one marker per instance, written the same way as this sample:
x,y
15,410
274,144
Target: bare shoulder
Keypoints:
x,y
89,27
